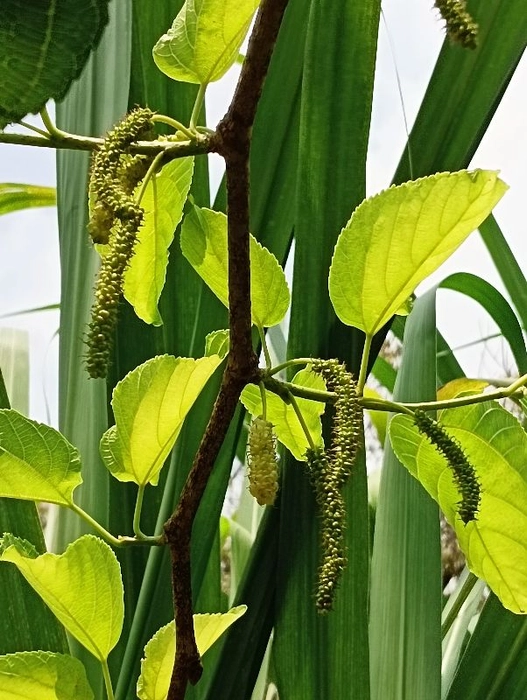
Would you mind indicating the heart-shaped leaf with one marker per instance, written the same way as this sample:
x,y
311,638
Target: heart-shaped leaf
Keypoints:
x,y
204,244
37,463
82,587
495,543
397,238
156,667
163,202
204,39
27,675
150,405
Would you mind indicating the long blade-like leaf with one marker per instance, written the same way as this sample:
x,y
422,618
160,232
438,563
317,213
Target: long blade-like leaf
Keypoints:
x,y
406,578
335,108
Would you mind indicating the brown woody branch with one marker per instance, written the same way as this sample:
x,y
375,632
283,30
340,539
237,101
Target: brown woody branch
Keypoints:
x,y
232,141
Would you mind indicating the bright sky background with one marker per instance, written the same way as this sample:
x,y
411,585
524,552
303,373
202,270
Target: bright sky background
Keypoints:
x,y
29,264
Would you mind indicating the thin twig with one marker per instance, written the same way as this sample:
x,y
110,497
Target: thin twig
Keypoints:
x,y
232,141
171,149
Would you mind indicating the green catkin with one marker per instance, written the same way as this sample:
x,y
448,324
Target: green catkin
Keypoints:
x,y
347,422
115,220
262,461
464,473
332,524
460,27
328,473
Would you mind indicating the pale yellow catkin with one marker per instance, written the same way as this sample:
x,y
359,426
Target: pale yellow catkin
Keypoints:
x,y
262,462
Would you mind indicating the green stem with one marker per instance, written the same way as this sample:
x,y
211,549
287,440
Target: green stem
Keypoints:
x,y
363,373
34,128
152,170
302,422
197,106
137,513
162,119
48,123
264,400
107,680
115,541
74,142
265,349
289,363
461,597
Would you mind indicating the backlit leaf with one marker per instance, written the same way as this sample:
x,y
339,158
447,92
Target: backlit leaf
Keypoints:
x,y
283,417
156,667
163,202
37,463
397,238
217,343
150,405
27,675
204,39
82,587
495,544
204,244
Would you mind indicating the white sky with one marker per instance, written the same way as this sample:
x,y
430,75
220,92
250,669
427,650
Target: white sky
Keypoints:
x,y
29,266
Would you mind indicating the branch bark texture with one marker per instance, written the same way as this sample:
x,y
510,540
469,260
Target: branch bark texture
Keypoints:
x,y
232,141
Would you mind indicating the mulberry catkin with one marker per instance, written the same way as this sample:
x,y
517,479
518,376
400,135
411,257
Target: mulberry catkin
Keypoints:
x,y
460,27
332,525
115,220
328,473
262,461
464,474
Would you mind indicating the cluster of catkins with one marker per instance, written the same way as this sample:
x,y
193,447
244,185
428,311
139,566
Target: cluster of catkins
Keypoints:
x,y
115,219
464,474
329,472
460,27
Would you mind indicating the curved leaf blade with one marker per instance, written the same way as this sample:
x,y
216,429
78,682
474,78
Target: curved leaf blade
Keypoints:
x,y
43,48
163,202
495,544
204,245
82,587
287,427
156,667
150,405
44,675
15,196
397,238
37,463
204,39
496,305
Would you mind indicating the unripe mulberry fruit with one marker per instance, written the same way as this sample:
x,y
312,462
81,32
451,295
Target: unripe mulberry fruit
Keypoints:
x,y
262,462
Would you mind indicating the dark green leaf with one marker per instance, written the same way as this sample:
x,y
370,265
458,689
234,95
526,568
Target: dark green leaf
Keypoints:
x,y
43,48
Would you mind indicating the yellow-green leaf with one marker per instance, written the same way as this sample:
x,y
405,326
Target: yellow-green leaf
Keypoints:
x,y
156,667
283,417
28,675
394,240
204,39
163,202
15,196
82,587
217,343
204,244
37,463
495,544
150,405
